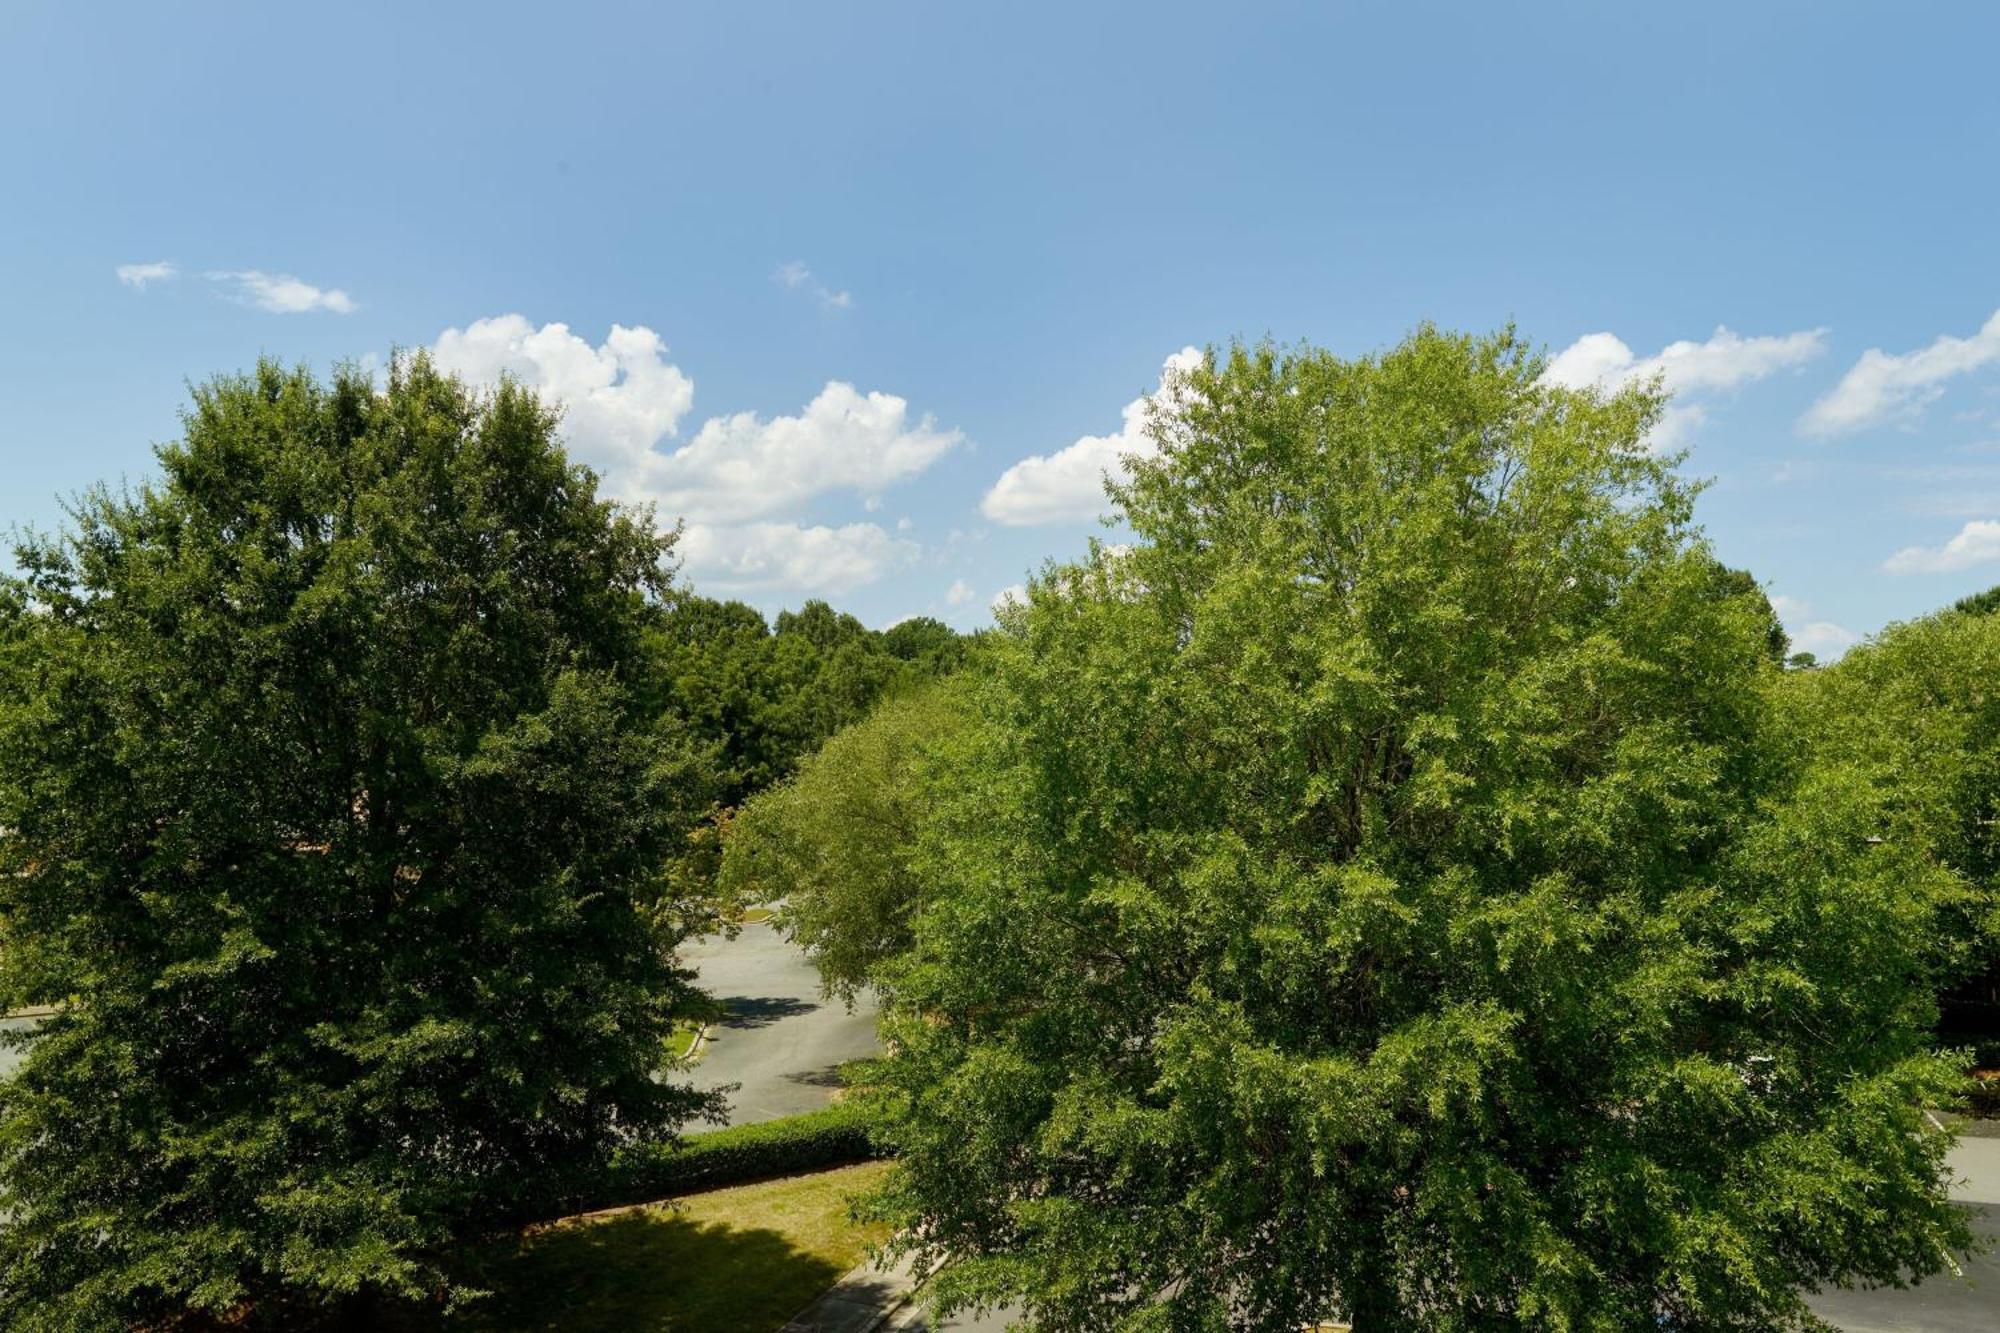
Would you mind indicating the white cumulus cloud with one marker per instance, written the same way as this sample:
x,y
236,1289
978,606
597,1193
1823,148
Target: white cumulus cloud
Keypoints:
x,y
740,481
1727,359
1014,594
281,293
1977,543
1687,369
619,398
137,276
790,557
958,594
744,466
623,400
1884,386
1068,485
1822,638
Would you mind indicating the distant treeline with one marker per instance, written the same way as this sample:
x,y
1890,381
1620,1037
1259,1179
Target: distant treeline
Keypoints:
x,y
764,696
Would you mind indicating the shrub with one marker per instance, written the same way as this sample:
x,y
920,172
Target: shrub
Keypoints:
x,y
835,1136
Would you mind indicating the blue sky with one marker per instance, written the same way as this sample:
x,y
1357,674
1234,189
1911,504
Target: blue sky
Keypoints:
x,y
866,259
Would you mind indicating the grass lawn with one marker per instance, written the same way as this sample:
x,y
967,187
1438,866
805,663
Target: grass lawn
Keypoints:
x,y
738,1260
681,1040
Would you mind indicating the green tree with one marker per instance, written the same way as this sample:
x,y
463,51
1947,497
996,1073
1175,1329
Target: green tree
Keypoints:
x,y
708,667
1731,583
832,846
332,822
1378,891
821,682
930,643
1980,603
766,698
1912,720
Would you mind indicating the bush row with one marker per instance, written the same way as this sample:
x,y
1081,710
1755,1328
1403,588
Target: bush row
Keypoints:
x,y
834,1136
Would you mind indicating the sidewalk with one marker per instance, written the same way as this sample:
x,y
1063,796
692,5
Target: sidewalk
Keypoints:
x,y
861,1302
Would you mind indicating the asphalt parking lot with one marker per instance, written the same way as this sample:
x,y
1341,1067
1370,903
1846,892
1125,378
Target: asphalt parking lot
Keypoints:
x,y
782,1044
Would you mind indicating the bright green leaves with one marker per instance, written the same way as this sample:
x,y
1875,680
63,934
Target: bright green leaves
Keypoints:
x,y
833,846
1392,886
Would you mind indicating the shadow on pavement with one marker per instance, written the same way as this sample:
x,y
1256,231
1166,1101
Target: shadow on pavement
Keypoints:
x,y
828,1077
853,1306
749,1012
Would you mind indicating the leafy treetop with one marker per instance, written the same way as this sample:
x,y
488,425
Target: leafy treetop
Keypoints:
x,y
1380,891
333,818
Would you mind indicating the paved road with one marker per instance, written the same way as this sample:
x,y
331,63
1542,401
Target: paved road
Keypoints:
x,y
915,1320
781,1042
10,1056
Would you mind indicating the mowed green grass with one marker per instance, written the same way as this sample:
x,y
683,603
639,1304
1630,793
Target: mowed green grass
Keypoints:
x,y
681,1040
742,1259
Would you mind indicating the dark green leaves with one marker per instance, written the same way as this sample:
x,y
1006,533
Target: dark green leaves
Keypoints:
x,y
334,820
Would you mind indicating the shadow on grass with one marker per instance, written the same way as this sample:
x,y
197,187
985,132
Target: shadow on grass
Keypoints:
x,y
649,1271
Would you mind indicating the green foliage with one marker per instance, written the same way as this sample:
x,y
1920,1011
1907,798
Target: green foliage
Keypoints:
x,y
832,845
1386,889
767,697
1980,603
1911,721
835,1135
931,644
333,818
1740,583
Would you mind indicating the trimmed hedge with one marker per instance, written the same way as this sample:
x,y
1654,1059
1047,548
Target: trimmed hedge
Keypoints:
x,y
834,1136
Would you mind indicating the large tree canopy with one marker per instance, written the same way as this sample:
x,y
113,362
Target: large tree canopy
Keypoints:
x,y
1378,891
331,824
